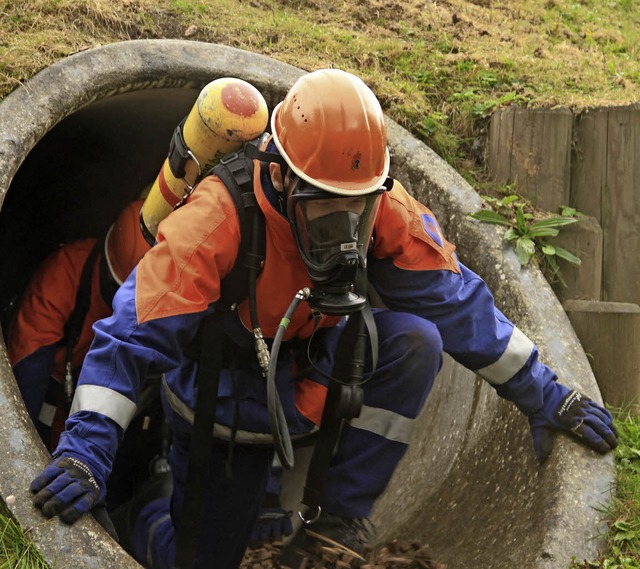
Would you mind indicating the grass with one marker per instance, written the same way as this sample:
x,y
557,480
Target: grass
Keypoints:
x,y
623,514
439,68
17,551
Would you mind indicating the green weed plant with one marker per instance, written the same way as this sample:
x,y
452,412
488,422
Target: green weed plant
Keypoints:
x,y
530,233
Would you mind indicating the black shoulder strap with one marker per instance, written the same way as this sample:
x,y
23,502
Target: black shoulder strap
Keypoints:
x,y
236,173
208,379
73,326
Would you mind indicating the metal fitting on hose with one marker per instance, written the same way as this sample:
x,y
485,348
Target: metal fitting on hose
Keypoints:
x,y
262,350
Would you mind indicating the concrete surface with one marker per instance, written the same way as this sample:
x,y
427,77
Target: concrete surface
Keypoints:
x,y
80,139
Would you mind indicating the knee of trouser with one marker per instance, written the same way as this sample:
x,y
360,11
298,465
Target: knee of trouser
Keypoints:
x,y
425,340
411,340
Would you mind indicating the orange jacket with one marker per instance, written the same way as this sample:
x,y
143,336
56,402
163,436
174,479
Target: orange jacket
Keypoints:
x,y
198,244
48,302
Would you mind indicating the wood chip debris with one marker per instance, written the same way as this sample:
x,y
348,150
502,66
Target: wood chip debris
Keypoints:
x,y
397,554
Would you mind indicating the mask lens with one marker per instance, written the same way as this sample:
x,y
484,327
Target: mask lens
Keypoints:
x,y
330,229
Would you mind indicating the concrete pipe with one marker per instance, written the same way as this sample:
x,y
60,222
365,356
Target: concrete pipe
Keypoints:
x,y
81,138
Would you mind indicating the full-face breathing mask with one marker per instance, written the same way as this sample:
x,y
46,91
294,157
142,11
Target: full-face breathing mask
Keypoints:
x,y
332,233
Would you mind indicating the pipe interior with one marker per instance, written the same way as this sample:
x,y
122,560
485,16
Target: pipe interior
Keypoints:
x,y
81,173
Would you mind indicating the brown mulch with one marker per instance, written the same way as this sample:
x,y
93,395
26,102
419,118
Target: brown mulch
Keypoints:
x,y
396,554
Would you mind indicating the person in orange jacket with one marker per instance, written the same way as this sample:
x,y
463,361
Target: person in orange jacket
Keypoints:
x,y
51,330
334,220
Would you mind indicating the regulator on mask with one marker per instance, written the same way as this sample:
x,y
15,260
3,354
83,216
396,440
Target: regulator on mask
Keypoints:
x,y
333,233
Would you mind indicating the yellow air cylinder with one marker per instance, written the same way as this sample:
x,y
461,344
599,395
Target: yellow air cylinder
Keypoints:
x,y
227,113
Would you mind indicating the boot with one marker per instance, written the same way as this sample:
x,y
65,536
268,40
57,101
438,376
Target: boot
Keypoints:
x,y
329,534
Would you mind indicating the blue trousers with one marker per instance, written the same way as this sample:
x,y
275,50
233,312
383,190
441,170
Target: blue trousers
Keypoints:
x,y
368,452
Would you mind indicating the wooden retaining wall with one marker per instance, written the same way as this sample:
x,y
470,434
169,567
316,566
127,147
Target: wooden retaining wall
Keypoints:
x,y
591,161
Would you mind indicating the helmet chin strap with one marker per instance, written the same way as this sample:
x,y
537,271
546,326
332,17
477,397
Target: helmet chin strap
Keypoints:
x,y
255,153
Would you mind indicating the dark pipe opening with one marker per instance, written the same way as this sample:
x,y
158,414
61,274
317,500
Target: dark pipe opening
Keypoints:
x,y
78,177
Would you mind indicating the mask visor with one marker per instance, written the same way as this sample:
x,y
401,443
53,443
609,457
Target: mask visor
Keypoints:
x,y
331,229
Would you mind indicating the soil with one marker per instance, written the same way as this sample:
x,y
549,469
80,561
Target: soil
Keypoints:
x,y
396,554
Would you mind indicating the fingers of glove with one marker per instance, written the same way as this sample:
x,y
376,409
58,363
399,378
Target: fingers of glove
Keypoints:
x,y
62,499
60,483
73,512
614,430
605,429
597,436
53,506
594,410
45,495
542,443
611,432
42,498
41,481
603,410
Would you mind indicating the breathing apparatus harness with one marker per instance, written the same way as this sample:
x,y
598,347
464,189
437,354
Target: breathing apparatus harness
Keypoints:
x,y
235,171
75,322
338,273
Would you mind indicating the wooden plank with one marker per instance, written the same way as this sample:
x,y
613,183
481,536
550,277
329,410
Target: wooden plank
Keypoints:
x,y
621,206
584,281
589,161
610,334
541,156
500,143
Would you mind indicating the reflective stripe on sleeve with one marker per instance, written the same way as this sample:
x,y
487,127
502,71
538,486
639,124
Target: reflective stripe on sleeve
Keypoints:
x,y
105,401
511,361
385,423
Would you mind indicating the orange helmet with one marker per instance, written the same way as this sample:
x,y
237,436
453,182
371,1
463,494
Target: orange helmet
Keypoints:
x,y
125,245
330,130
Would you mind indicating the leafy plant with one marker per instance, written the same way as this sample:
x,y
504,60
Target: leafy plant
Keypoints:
x,y
530,234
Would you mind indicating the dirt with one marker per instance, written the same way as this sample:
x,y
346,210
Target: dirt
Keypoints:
x,y
396,554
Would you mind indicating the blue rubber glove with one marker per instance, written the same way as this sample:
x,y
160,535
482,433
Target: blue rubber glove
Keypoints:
x,y
67,488
571,411
273,523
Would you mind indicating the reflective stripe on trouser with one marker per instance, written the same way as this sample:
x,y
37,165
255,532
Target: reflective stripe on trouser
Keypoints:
x,y
410,356
371,445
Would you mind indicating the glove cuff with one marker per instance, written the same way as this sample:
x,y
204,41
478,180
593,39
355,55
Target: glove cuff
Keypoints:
x,y
527,389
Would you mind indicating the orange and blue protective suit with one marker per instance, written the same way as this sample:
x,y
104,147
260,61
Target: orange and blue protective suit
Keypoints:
x,y
433,302
38,354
